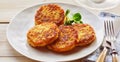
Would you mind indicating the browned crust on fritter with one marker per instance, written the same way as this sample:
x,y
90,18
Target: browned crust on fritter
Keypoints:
x,y
50,13
66,40
43,34
86,34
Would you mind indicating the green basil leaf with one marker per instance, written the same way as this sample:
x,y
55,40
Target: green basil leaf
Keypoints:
x,y
77,17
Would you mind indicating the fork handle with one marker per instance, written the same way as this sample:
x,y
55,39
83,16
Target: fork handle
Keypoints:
x,y
114,58
102,55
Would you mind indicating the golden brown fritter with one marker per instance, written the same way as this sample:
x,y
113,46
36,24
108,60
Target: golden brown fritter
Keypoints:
x,y
50,13
43,34
66,40
86,34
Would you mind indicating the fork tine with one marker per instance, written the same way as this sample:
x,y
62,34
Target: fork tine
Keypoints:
x,y
106,28
109,28
113,33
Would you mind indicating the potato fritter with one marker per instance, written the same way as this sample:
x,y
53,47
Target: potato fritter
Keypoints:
x,y
86,34
43,34
50,13
66,40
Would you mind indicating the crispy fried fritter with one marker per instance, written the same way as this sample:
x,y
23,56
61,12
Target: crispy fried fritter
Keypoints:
x,y
43,34
66,40
86,34
50,13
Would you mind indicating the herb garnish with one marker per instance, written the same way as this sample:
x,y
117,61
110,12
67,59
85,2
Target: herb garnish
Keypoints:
x,y
75,18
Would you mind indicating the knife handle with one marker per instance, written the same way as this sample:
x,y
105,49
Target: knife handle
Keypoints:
x,y
102,55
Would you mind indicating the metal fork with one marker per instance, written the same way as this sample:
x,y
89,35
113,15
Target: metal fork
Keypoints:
x,y
105,45
111,38
108,41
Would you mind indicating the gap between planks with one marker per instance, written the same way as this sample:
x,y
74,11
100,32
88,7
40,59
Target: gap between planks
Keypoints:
x,y
4,22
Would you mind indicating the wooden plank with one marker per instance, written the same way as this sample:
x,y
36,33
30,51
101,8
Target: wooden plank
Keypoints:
x,y
7,50
64,1
23,59
16,59
10,9
3,28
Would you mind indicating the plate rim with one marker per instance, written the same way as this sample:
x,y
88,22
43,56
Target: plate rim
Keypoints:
x,y
26,55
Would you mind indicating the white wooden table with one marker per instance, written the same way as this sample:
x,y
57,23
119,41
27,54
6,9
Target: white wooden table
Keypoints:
x,y
8,9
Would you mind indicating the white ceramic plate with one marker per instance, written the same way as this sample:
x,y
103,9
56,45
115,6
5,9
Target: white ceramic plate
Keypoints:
x,y
23,21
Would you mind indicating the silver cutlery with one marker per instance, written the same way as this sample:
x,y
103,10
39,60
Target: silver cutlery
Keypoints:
x,y
112,39
105,45
108,42
102,55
